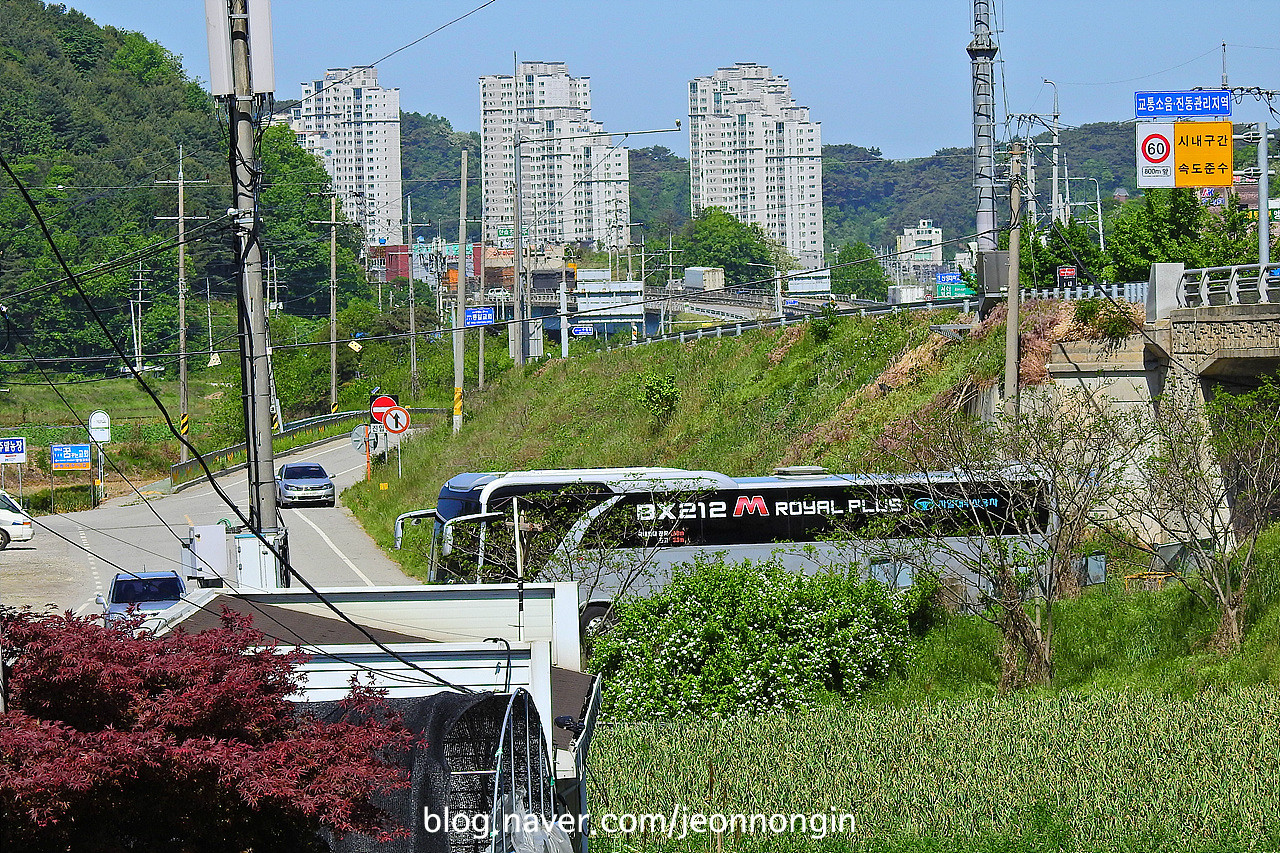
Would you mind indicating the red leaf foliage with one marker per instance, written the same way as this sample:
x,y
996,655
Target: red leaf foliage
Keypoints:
x,y
184,742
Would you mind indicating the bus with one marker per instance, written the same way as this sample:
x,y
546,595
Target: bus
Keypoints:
x,y
616,530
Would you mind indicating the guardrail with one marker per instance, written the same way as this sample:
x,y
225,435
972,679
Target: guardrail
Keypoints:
x,y
322,426
1128,292
318,428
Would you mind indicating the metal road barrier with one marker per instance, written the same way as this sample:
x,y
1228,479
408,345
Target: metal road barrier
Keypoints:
x,y
1135,292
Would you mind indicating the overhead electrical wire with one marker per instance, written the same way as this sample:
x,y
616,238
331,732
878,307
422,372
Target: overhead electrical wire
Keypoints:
x,y
293,572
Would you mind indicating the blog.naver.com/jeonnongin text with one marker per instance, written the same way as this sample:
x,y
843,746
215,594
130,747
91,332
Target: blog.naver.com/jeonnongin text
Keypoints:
x,y
679,823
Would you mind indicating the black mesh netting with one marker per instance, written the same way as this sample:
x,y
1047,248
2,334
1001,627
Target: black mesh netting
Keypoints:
x,y
461,732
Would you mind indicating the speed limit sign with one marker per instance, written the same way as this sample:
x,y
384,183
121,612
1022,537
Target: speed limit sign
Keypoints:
x,y
1156,166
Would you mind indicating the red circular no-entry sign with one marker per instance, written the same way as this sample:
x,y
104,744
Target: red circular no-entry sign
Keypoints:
x,y
1156,148
378,408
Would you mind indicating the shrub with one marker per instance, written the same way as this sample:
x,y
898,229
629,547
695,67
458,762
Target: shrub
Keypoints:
x,y
660,395
823,325
725,639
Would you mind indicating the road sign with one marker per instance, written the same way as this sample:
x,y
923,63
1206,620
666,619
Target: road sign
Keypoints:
x,y
100,427
396,420
69,457
13,450
378,408
952,291
1202,154
481,315
584,331
365,437
949,278
1066,276
1184,154
1155,155
1208,103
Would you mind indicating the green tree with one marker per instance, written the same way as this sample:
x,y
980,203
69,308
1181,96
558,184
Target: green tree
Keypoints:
x,y
1162,227
716,238
857,272
1071,243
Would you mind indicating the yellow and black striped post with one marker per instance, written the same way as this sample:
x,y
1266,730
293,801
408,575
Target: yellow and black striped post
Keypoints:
x,y
333,410
184,424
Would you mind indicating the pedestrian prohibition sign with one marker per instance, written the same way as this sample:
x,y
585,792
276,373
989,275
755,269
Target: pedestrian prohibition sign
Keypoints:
x,y
396,419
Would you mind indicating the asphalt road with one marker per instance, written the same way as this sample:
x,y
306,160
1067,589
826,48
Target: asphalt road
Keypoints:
x,y
74,556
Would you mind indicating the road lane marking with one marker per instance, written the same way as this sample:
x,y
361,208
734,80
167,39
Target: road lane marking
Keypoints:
x,y
334,548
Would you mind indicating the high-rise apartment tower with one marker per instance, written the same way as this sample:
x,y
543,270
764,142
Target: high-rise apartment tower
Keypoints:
x,y
353,125
574,178
755,153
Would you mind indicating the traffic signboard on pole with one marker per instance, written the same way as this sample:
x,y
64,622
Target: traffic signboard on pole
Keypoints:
x,y
378,408
1155,155
1209,103
480,315
396,419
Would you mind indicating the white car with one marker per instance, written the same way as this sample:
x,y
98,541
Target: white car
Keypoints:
x,y
498,294
15,525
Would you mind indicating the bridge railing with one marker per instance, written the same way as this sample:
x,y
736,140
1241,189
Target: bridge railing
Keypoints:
x,y
1246,284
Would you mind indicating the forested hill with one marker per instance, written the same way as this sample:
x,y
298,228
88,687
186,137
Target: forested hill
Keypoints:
x,y
870,198
90,121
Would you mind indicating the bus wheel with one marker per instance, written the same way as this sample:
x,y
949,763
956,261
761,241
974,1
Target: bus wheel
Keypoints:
x,y
595,619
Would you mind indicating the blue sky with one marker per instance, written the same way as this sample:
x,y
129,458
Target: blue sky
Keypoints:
x,y
890,75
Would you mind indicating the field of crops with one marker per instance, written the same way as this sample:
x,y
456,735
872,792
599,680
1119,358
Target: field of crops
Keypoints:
x,y
1117,771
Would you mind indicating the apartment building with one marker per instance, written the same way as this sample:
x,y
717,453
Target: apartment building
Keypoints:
x,y
353,125
754,152
574,179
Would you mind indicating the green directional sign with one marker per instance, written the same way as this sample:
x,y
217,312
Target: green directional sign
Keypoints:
x,y
952,291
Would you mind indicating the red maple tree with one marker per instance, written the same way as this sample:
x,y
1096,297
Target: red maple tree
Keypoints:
x,y
183,742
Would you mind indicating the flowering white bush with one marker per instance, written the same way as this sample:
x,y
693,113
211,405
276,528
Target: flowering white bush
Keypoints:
x,y
726,639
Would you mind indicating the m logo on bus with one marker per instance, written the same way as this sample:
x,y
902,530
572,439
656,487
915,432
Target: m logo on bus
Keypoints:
x,y
750,505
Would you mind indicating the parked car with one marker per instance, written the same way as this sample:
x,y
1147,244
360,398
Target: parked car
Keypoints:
x,y
304,482
498,294
145,593
15,525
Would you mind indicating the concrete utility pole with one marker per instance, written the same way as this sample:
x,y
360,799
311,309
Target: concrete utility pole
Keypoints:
x,y
184,421
1055,203
332,222
459,324
1011,325
1264,197
982,53
135,319
255,368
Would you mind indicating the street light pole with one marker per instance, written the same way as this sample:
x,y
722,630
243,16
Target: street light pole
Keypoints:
x,y
1055,205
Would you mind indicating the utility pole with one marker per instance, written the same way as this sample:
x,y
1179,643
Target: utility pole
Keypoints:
x,y
1264,199
1011,325
248,20
332,222
459,325
184,421
1055,202
413,310
135,320
483,292
982,53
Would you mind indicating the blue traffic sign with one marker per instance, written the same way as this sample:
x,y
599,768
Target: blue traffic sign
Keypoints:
x,y
1205,103
949,278
584,331
69,457
481,315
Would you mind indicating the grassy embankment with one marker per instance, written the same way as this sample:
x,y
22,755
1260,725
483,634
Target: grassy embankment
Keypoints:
x,y
1146,741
